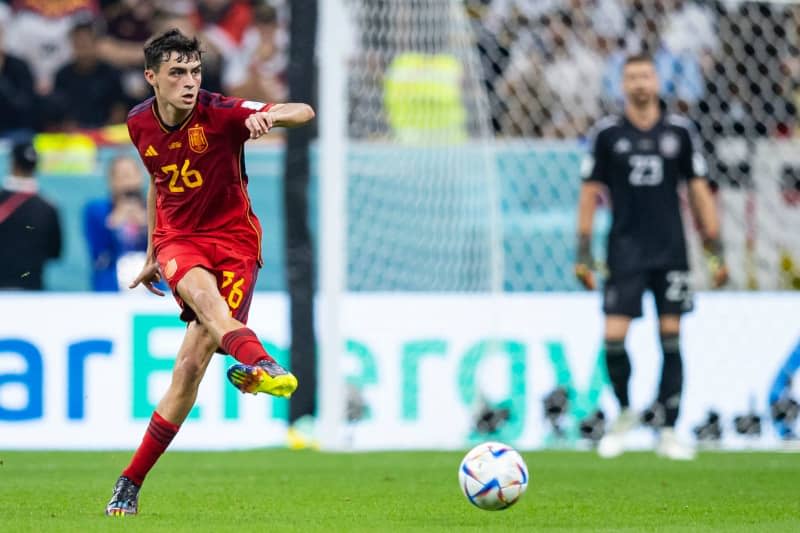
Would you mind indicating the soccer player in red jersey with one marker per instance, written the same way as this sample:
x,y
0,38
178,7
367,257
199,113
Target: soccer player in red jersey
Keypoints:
x,y
204,238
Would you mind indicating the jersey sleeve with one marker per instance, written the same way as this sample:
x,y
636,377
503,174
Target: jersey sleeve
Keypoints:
x,y
594,163
133,134
232,113
692,162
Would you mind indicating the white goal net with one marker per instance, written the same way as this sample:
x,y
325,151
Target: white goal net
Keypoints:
x,y
422,204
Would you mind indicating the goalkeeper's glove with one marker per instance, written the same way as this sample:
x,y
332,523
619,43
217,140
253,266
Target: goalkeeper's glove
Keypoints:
x,y
716,262
585,263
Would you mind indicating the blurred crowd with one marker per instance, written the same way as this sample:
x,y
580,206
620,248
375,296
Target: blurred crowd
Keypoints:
x,y
68,65
553,66
76,65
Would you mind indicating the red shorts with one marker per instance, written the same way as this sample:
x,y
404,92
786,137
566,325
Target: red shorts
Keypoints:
x,y
236,274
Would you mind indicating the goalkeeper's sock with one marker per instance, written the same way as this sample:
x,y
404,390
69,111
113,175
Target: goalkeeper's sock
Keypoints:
x,y
244,346
159,434
671,386
618,365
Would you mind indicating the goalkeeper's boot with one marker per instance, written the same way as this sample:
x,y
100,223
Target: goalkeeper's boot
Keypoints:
x,y
265,376
125,500
670,447
613,443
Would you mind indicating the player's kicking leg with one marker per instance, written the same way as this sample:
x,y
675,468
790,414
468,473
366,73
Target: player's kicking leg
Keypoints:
x,y
669,391
618,365
256,371
190,365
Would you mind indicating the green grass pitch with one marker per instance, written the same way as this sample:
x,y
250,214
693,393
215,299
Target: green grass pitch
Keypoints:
x,y
284,491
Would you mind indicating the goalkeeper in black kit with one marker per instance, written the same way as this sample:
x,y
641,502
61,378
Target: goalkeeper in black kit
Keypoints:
x,y
641,158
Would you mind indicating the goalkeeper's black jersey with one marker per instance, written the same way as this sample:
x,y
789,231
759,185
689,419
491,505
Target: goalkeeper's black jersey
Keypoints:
x,y
642,170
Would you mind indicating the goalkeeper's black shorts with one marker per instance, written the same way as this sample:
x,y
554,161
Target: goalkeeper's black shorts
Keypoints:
x,y
622,294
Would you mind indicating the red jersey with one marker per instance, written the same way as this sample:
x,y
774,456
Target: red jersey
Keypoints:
x,y
198,170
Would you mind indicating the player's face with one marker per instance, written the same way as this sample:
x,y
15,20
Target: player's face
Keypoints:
x,y
640,83
177,81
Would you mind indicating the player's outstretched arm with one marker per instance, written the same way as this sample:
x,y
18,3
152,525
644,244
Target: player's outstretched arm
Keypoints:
x,y
278,116
705,211
150,273
587,203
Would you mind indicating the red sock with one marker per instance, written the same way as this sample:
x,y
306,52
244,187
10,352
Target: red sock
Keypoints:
x,y
244,346
156,439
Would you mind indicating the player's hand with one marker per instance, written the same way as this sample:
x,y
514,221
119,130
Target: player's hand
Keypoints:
x,y
718,270
585,276
585,263
259,123
720,276
716,263
148,277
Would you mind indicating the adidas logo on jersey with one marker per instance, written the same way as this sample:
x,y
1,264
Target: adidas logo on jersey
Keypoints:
x,y
150,152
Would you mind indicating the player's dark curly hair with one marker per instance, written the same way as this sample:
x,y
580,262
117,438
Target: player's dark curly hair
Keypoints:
x,y
158,48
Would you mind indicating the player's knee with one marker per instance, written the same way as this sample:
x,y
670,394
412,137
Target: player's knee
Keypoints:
x,y
204,338
669,326
187,374
616,327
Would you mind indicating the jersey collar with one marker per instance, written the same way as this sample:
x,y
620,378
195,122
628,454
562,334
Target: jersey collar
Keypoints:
x,y
166,128
654,127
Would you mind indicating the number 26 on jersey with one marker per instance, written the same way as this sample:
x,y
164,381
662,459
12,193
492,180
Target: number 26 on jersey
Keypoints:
x,y
184,178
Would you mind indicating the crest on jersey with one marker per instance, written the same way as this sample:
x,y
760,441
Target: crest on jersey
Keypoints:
x,y
197,139
669,144
622,146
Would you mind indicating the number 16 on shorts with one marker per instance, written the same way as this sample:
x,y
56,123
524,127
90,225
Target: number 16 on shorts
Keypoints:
x,y
235,294
236,287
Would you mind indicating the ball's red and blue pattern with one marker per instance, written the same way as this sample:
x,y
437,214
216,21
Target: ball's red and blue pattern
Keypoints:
x,y
493,476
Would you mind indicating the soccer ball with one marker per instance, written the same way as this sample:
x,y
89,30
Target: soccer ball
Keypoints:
x,y
493,476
